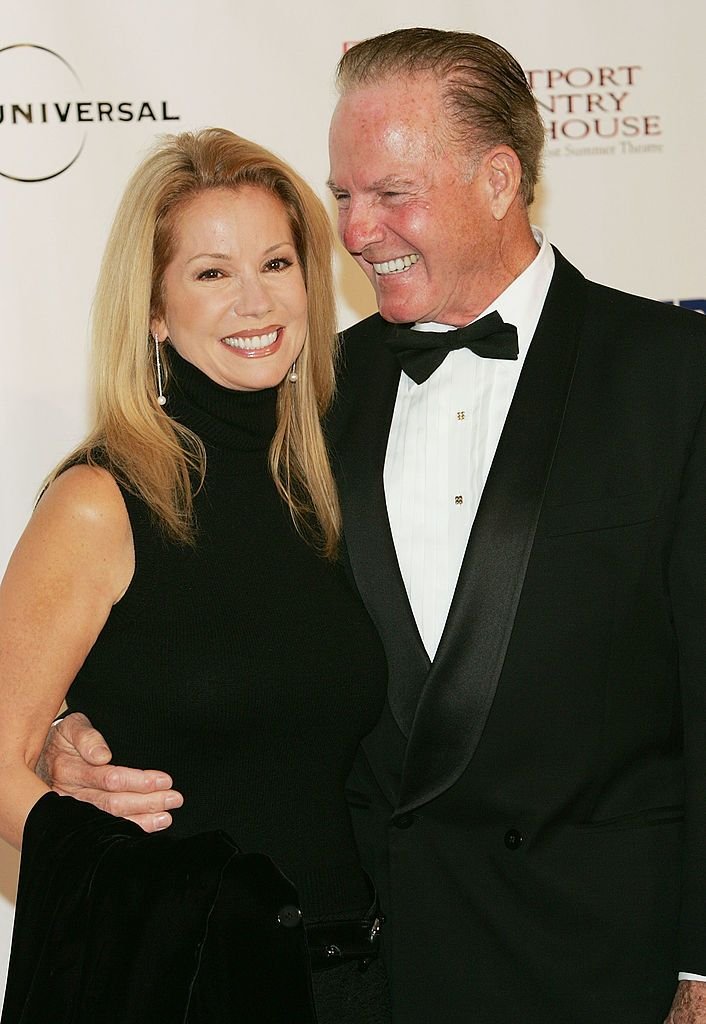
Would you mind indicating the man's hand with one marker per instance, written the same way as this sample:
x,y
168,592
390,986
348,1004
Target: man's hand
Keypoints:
x,y
75,762
689,1006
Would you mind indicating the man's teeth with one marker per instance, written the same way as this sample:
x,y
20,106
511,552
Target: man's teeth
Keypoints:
x,y
396,266
258,341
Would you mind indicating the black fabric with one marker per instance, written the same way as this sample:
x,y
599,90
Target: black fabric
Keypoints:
x,y
548,860
116,926
245,666
420,353
344,995
332,943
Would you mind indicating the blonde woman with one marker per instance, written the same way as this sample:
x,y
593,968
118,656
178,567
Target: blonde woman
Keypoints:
x,y
179,573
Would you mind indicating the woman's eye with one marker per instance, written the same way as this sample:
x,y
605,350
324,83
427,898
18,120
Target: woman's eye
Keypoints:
x,y
279,263
212,274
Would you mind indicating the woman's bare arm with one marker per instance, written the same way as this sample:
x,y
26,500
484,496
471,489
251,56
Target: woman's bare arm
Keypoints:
x,y
72,563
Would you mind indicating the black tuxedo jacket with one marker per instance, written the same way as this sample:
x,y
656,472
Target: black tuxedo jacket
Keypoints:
x,y
532,804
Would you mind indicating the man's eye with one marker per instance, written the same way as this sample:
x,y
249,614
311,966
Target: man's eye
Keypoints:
x,y
212,274
279,263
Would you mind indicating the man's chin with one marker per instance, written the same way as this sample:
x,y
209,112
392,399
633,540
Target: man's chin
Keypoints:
x,y
396,312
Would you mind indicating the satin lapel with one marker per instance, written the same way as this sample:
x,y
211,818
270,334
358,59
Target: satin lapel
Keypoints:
x,y
370,384
459,691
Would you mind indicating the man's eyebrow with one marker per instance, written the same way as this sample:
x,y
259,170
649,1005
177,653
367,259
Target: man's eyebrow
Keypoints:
x,y
391,182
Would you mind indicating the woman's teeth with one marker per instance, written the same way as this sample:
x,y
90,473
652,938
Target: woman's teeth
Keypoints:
x,y
256,342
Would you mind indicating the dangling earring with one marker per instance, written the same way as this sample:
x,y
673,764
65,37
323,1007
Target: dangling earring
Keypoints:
x,y
293,375
161,397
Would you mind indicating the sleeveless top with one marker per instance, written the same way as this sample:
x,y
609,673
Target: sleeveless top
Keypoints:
x,y
245,666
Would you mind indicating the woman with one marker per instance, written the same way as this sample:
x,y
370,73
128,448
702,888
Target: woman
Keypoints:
x,y
179,571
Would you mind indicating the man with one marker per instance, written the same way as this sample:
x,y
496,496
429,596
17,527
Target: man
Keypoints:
x,y
526,522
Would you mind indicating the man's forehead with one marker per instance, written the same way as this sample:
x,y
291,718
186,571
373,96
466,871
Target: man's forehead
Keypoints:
x,y
402,117
395,92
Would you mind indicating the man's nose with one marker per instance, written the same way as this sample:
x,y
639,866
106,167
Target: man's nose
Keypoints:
x,y
359,227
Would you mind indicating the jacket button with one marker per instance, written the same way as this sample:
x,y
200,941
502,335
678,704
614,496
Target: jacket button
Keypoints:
x,y
404,820
289,916
513,839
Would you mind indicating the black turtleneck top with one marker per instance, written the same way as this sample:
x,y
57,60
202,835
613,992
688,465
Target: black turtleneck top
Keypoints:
x,y
244,666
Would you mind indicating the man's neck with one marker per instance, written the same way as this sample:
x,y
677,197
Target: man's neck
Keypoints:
x,y
515,251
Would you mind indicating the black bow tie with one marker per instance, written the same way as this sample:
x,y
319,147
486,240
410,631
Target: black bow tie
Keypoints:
x,y
422,352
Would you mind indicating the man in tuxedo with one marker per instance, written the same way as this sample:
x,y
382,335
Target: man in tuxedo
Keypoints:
x,y
525,519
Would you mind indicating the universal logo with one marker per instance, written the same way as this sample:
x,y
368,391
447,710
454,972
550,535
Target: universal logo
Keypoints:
x,y
45,117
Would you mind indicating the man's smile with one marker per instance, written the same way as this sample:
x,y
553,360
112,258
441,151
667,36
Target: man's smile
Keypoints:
x,y
397,265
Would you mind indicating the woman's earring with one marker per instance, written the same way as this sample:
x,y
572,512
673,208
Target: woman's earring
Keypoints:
x,y
293,375
161,397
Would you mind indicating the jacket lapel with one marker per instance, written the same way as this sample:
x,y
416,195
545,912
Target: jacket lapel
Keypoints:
x,y
369,388
461,684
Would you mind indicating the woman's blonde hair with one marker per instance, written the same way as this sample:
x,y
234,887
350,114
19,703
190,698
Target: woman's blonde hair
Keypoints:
x,y
147,452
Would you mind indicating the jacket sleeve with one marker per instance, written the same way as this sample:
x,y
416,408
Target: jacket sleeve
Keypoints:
x,y
687,589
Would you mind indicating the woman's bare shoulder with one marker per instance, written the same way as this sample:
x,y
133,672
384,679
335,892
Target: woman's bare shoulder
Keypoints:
x,y
81,522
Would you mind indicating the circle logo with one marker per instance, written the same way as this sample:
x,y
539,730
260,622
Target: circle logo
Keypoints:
x,y
39,137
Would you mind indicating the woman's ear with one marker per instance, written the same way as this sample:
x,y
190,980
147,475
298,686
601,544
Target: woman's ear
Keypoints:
x,y
158,328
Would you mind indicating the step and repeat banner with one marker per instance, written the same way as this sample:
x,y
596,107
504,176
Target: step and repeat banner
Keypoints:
x,y
85,87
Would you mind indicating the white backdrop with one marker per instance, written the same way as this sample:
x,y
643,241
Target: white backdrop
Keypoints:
x,y
622,86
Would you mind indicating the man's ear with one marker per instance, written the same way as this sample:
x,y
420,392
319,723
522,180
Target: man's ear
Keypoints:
x,y
504,177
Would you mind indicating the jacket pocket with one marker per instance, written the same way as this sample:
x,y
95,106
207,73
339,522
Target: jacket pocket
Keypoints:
x,y
641,819
598,514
